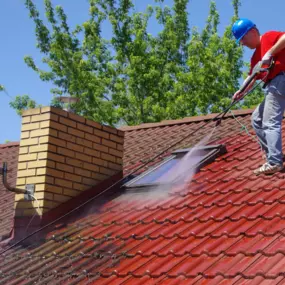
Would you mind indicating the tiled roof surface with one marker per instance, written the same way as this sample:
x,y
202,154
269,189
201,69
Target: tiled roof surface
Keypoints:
x,y
8,153
144,141
226,227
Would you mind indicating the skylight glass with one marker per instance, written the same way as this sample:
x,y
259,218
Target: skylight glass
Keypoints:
x,y
162,172
157,174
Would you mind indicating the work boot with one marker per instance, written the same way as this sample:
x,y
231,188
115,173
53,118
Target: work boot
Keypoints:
x,y
267,168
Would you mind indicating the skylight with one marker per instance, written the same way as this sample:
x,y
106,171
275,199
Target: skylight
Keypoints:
x,y
162,173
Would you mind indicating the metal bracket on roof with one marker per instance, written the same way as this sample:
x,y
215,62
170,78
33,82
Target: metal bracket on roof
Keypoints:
x,y
3,172
30,191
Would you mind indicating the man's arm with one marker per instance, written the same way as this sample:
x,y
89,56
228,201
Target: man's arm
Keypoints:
x,y
279,45
240,94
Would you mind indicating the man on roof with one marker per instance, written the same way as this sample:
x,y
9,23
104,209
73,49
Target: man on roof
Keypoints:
x,y
267,117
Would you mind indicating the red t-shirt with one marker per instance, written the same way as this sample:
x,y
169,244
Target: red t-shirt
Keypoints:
x,y
268,40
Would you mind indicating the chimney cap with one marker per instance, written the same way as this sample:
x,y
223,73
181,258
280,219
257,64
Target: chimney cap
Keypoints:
x,y
68,100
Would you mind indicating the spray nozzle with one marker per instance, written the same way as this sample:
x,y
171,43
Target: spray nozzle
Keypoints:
x,y
218,122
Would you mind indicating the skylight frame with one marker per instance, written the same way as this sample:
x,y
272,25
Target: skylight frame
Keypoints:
x,y
214,152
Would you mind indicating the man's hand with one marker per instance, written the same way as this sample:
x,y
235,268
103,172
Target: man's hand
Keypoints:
x,y
237,95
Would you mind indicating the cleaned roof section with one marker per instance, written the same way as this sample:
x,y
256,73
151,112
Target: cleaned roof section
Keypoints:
x,y
8,153
226,227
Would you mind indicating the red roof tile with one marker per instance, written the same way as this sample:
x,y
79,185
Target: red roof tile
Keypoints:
x,y
8,153
226,227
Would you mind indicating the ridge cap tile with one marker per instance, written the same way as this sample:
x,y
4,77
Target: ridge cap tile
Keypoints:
x,y
185,120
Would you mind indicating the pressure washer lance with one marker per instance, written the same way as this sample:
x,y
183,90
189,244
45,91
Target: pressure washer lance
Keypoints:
x,y
256,70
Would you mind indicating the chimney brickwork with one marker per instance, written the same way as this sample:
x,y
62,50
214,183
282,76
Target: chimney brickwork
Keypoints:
x,y
63,154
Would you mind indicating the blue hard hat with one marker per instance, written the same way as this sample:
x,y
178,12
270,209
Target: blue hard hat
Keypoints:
x,y
241,27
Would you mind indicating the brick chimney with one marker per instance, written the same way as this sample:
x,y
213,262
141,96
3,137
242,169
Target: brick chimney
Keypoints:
x,y
61,155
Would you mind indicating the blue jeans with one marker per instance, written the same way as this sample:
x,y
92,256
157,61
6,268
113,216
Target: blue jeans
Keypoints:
x,y
267,120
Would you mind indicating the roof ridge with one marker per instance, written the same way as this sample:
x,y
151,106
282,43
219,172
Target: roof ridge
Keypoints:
x,y
10,144
184,120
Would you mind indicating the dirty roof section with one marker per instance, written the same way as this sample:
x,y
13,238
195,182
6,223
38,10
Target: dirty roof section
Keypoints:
x,y
226,227
8,153
144,141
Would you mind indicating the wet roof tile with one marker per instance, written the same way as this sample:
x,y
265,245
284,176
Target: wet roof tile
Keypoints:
x,y
225,227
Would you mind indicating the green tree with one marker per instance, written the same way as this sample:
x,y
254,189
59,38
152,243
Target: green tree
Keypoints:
x,y
214,64
21,103
81,69
138,77
146,66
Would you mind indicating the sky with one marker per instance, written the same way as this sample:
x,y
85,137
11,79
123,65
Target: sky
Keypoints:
x,y
18,40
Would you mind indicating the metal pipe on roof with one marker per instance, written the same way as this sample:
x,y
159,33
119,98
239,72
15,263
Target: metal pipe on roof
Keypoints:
x,y
4,171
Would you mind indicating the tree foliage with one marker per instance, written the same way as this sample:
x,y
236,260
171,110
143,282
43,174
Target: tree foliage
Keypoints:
x,y
137,77
21,103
